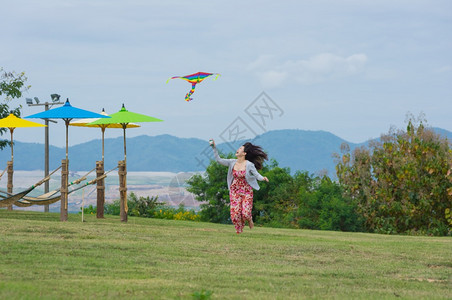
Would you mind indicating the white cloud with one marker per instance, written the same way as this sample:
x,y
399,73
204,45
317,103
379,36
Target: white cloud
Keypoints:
x,y
263,61
444,69
318,68
272,79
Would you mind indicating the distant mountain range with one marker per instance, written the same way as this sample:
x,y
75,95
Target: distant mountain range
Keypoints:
x,y
297,149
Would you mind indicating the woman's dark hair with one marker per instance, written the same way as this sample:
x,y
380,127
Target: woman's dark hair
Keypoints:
x,y
255,154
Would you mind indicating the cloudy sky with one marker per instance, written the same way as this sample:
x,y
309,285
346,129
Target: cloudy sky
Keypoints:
x,y
353,68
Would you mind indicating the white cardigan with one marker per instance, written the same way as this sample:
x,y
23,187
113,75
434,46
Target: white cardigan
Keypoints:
x,y
251,173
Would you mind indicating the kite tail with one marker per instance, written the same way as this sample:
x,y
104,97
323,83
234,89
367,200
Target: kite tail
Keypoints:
x,y
187,97
172,78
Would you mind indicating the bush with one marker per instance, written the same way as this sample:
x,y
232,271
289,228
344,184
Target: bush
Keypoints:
x,y
142,206
90,210
180,213
150,208
138,206
112,208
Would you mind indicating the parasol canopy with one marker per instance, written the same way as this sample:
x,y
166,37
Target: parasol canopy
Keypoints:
x,y
66,112
12,122
85,123
124,118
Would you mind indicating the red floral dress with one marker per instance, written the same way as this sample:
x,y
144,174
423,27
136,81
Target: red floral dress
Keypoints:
x,y
241,197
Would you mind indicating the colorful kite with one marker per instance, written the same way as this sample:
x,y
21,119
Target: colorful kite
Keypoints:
x,y
194,79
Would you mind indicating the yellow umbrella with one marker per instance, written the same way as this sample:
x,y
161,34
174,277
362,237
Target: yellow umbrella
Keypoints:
x,y
85,123
12,122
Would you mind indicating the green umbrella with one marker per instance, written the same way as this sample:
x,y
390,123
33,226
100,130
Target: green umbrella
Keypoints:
x,y
124,118
86,123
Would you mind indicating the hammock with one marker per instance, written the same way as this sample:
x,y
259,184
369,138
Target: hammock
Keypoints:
x,y
27,203
11,199
49,195
40,200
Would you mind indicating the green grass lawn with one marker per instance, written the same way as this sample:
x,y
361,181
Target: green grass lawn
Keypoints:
x,y
42,257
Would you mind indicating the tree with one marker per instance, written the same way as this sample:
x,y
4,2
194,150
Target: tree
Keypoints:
x,y
275,198
403,183
299,201
12,86
323,207
212,189
303,201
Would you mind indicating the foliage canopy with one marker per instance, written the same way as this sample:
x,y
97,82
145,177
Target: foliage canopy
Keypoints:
x,y
403,183
12,86
298,201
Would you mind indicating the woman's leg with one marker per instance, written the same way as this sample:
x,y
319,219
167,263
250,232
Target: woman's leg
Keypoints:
x,y
247,207
236,212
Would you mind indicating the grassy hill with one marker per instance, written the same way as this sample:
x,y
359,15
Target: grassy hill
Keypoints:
x,y
43,258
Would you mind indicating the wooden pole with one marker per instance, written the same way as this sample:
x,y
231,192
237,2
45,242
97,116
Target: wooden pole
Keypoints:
x,y
122,171
64,189
100,189
9,185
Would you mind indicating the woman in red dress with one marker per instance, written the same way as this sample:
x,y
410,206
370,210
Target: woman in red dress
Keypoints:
x,y
242,178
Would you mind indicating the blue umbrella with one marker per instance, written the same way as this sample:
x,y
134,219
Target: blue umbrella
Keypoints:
x,y
66,112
